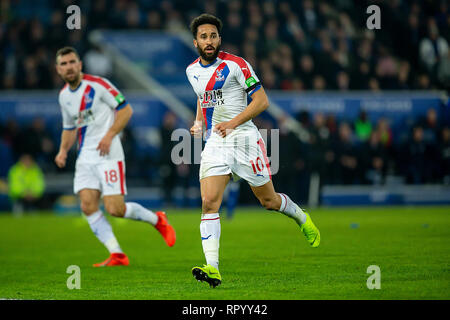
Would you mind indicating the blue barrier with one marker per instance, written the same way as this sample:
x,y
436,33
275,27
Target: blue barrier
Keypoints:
x,y
147,117
382,195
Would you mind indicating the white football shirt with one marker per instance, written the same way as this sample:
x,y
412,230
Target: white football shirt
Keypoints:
x,y
222,88
90,109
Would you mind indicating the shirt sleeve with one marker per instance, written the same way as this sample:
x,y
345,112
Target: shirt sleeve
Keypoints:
x,y
247,77
68,121
111,95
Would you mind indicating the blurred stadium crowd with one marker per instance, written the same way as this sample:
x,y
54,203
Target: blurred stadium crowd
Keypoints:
x,y
292,45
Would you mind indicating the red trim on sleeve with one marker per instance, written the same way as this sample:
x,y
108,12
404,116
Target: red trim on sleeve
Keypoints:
x,y
240,62
102,82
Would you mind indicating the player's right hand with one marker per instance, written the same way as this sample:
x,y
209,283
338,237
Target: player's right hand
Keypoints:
x,y
196,129
60,159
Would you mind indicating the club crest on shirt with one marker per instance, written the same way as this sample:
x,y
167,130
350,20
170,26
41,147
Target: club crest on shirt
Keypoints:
x,y
87,97
219,76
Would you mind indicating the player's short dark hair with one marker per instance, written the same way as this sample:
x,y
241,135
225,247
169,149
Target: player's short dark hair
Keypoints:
x,y
205,18
66,50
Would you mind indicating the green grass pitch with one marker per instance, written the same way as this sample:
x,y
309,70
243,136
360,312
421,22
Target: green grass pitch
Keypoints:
x,y
263,255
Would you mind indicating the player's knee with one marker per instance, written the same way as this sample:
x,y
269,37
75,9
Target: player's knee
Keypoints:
x,y
116,210
88,207
209,205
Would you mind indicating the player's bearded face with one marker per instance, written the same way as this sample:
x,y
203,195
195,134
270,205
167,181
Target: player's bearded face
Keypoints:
x,y
209,52
208,42
69,68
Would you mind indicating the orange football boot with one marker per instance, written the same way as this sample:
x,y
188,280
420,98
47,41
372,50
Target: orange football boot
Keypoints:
x,y
165,228
115,259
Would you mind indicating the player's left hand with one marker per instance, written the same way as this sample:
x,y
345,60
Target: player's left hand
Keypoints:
x,y
224,128
104,145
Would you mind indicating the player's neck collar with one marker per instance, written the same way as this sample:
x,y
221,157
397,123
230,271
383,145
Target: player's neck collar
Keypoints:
x,y
206,65
79,85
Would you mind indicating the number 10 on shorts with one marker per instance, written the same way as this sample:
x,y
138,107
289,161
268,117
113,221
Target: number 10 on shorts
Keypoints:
x,y
258,167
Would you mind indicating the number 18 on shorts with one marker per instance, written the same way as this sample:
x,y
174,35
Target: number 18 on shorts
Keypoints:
x,y
108,177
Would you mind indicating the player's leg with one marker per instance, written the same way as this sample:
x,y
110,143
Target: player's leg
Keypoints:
x,y
211,189
271,200
89,199
116,206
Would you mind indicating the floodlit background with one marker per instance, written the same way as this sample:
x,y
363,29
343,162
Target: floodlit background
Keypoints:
x,y
363,115
369,106
355,107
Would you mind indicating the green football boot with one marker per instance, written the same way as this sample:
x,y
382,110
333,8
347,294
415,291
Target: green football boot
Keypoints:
x,y
207,273
310,231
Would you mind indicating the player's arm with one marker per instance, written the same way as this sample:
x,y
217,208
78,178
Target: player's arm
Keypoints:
x,y
196,129
68,138
259,103
122,117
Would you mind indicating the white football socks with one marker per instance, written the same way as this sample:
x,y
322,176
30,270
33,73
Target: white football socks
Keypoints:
x,y
137,212
210,233
103,231
289,208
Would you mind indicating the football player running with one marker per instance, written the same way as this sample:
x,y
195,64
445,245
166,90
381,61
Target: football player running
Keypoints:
x,y
94,112
234,147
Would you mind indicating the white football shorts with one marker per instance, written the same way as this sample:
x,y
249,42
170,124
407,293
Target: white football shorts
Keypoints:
x,y
246,159
108,177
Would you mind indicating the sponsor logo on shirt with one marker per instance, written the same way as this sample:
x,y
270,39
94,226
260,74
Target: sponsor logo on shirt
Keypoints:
x,y
84,118
212,98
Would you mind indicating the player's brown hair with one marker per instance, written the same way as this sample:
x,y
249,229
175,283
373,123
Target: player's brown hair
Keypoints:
x,y
66,50
205,18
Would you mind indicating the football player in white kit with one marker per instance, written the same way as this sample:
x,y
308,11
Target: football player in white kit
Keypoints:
x,y
93,113
234,146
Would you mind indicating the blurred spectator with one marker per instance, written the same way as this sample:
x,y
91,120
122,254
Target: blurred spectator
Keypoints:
x,y
404,81
154,20
423,82
385,132
431,127
36,141
306,70
432,48
416,158
309,16
11,134
363,126
97,62
26,185
347,156
319,83
386,68
322,157
443,72
374,159
342,81
444,155
168,170
374,85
